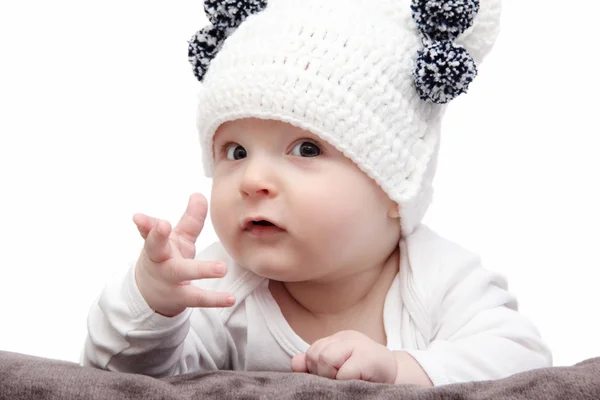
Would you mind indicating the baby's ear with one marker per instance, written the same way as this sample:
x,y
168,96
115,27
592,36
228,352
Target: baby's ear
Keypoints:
x,y
394,210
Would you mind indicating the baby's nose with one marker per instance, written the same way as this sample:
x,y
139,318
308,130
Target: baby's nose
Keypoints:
x,y
259,179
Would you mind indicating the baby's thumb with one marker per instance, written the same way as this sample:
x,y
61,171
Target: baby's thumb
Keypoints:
x,y
299,363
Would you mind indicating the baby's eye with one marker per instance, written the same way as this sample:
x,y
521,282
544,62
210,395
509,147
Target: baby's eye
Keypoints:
x,y
235,152
306,149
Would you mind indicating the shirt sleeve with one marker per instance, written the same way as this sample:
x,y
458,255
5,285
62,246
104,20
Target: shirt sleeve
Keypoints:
x,y
476,331
126,335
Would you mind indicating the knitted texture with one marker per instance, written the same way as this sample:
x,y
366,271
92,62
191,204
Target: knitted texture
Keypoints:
x,y
342,69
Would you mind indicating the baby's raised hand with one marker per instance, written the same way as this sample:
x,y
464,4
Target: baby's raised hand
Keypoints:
x,y
348,355
166,264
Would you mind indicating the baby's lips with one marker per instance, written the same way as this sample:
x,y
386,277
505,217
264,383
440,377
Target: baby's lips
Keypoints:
x,y
258,220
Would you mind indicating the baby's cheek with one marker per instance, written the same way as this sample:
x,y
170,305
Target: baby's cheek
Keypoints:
x,y
223,221
343,222
337,209
327,221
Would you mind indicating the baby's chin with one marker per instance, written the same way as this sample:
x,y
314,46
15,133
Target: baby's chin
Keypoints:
x,y
276,271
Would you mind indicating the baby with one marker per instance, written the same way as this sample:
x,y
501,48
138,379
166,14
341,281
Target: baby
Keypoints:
x,y
319,123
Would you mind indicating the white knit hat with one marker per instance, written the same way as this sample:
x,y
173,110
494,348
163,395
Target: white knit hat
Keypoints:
x,y
370,77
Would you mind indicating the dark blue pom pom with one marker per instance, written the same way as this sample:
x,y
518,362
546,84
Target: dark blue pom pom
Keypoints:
x,y
443,71
229,14
444,19
225,16
202,48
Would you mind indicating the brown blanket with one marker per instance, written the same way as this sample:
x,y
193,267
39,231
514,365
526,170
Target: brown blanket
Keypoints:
x,y
28,377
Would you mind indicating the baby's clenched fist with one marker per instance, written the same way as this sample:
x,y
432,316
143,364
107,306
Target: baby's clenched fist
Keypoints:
x,y
348,355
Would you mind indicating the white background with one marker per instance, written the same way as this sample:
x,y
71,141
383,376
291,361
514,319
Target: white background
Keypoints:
x,y
97,122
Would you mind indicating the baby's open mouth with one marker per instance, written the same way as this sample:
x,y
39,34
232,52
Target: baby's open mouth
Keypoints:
x,y
262,222
261,226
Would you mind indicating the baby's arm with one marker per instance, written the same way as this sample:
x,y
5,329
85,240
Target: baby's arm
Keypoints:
x,y
144,323
476,332
126,335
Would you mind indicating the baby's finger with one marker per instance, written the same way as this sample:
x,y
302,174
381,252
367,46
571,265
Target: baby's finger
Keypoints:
x,y
299,363
312,354
195,297
351,369
188,270
192,221
140,221
332,357
157,245
144,223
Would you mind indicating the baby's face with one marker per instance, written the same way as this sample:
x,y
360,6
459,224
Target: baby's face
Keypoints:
x,y
330,218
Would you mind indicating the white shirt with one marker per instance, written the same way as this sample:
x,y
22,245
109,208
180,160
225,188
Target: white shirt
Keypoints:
x,y
454,317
